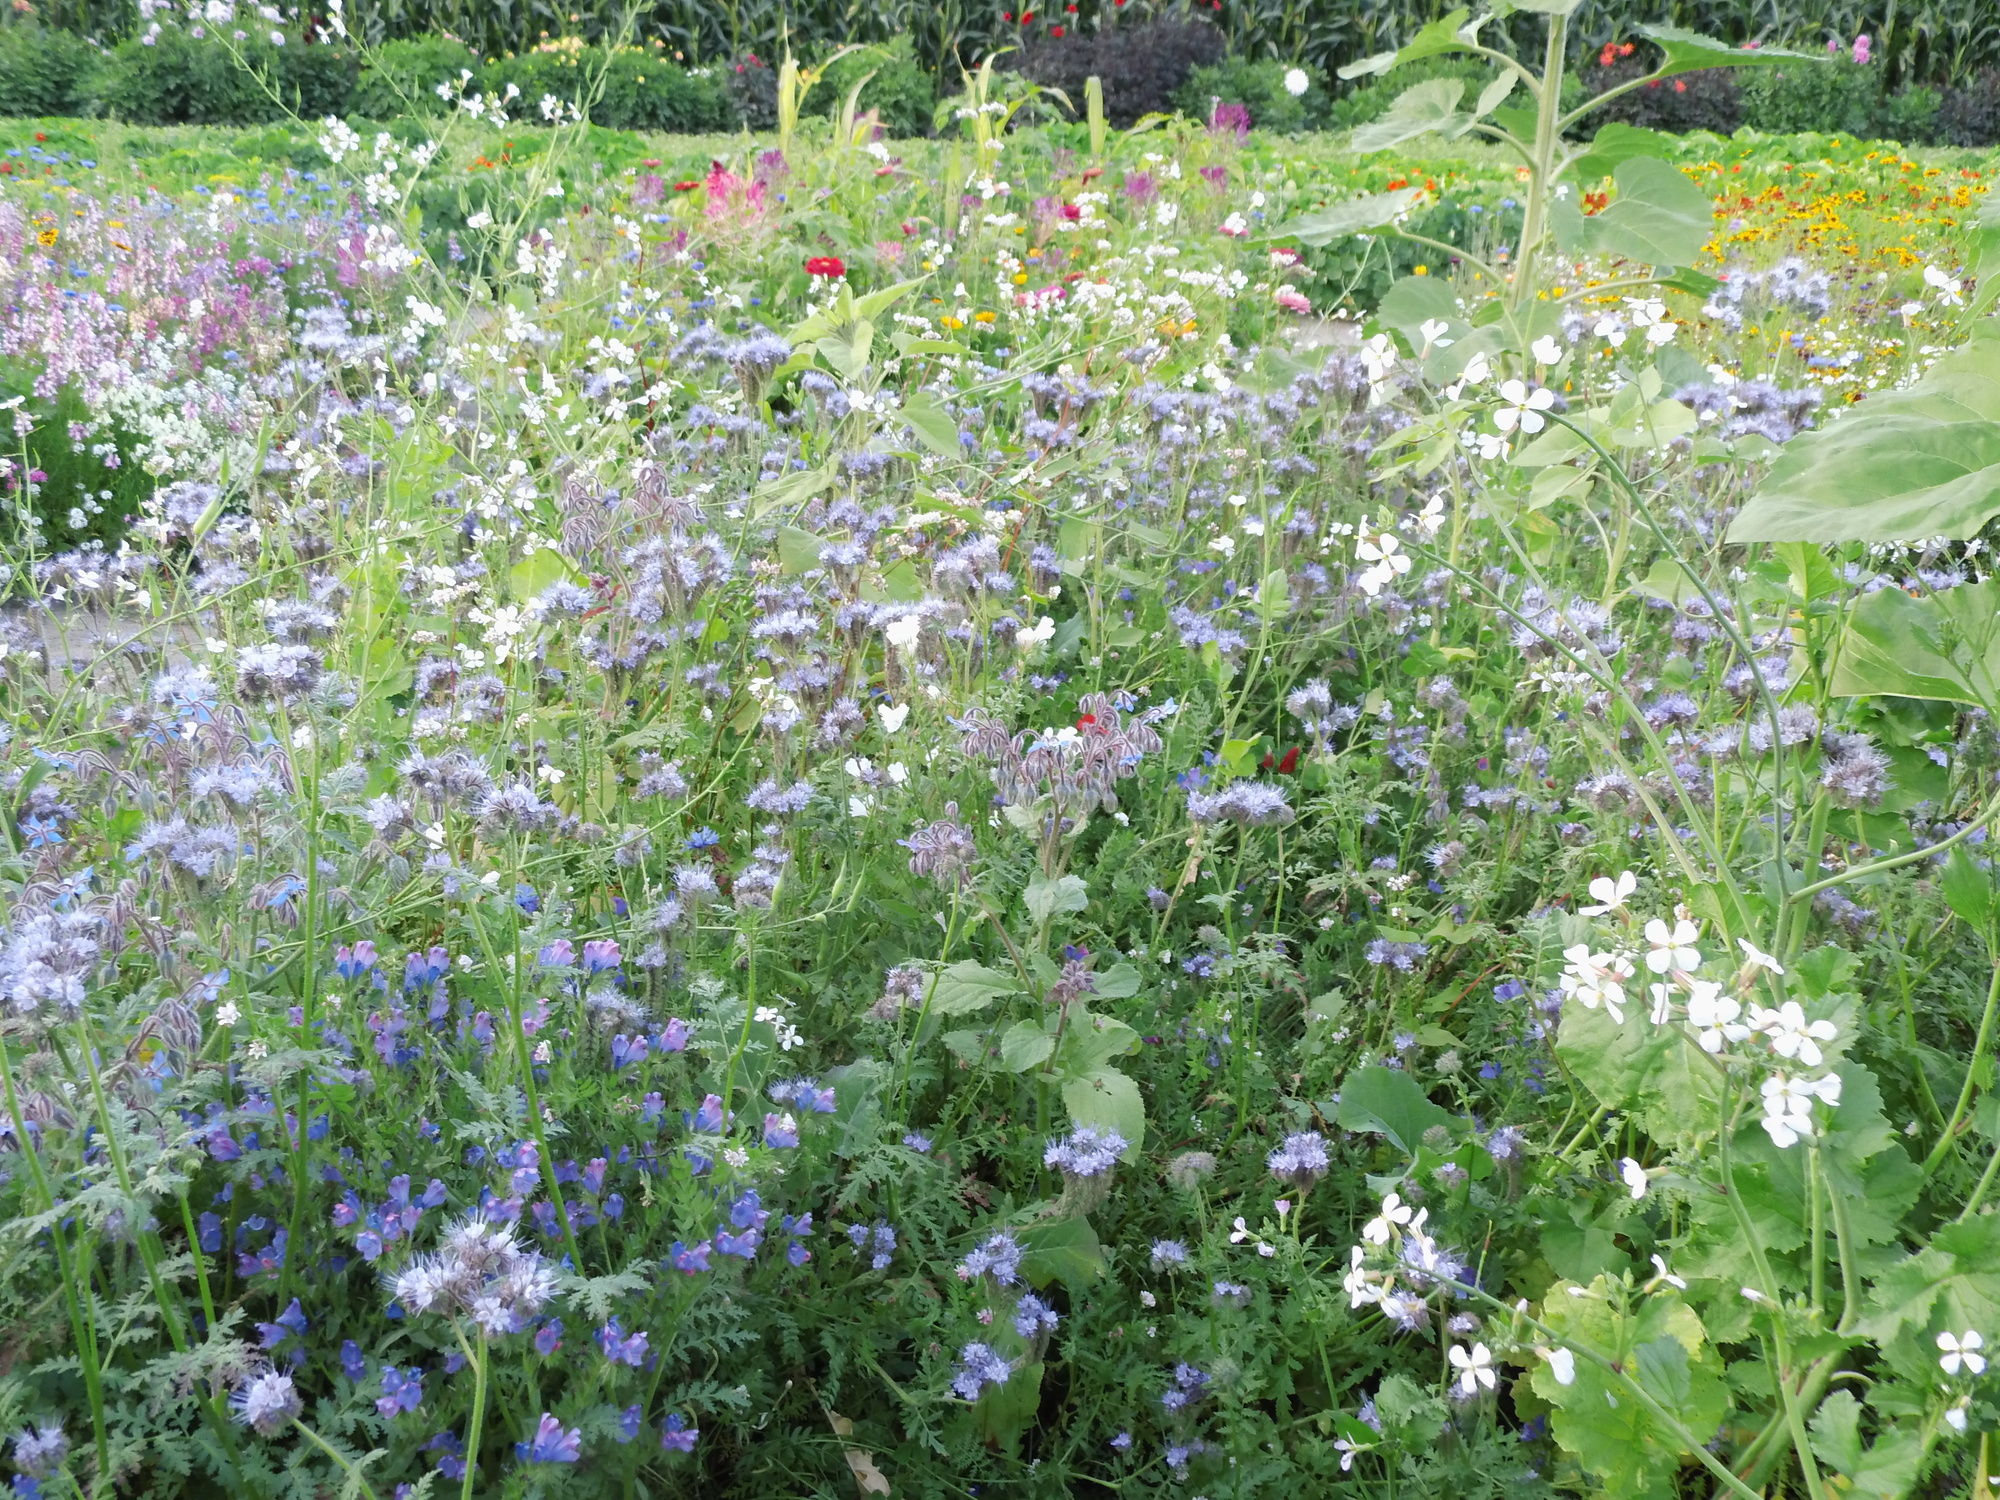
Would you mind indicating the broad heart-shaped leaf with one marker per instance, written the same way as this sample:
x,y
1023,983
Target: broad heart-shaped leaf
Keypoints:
x,y
1968,890
1003,1412
1430,107
969,986
1688,50
1356,216
1659,216
1636,1066
1024,1045
1614,144
1390,1103
1065,1250
1110,1100
1906,465
1895,646
1611,1433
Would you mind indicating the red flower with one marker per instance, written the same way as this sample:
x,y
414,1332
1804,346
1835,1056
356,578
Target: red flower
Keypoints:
x,y
1086,721
1071,212
686,187
1055,31
826,265
1290,763
650,162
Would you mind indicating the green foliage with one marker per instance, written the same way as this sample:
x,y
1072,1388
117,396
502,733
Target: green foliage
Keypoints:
x,y
629,88
1914,463
178,79
1260,88
900,91
44,71
402,77
1836,96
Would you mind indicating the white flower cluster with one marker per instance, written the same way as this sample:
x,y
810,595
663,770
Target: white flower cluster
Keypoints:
x,y
1398,1265
1717,1019
481,1271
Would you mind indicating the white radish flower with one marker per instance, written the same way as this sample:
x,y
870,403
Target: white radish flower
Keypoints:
x,y
1791,1035
1673,947
1562,1365
1474,1366
1546,350
1395,1213
1634,1176
1524,407
1610,894
1595,979
1434,331
1386,561
1756,958
1713,1015
1962,1350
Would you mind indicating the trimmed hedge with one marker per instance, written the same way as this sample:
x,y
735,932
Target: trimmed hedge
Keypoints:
x,y
180,79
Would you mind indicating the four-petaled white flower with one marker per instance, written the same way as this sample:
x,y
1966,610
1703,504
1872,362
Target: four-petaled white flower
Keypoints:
x,y
1595,979
1386,561
1345,1449
1663,1274
1524,407
1788,1105
1791,1034
1395,1213
1562,1365
1361,1292
1434,331
1713,1015
1610,894
1962,1350
1673,947
1475,1368
1634,1176
892,716
1546,350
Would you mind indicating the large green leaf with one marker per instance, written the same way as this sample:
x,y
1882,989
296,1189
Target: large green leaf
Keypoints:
x,y
1613,145
1376,211
1659,217
1065,1250
1391,1104
1110,1100
1944,647
1884,1471
969,986
1437,38
1427,108
1687,51
1904,466
1961,1266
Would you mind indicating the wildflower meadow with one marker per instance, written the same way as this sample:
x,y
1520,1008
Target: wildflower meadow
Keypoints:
x,y
1056,811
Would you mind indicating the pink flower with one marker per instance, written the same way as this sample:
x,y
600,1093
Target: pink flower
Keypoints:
x,y
1861,45
1291,299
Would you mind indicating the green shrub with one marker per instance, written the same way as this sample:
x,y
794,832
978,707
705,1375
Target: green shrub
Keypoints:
x,y
901,92
402,77
1260,88
180,79
1970,116
641,89
44,71
1836,97
1912,116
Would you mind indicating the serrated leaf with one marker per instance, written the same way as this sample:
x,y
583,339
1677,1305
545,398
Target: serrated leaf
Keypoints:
x,y
1687,51
1434,40
1375,211
1902,466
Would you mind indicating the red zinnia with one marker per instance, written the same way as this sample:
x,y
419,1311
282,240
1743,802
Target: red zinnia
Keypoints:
x,y
686,187
826,265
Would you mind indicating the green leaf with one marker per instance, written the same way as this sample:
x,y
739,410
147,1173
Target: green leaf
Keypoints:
x,y
1495,93
1119,982
1615,144
1390,1104
932,424
533,574
970,1045
1968,890
1413,301
1902,466
1439,37
1273,597
1025,1045
857,1099
1003,1412
798,551
1944,647
791,490
1376,211
1090,1041
969,986
847,350
1047,897
1065,1250
1427,108
1961,1267
1659,217
1884,1471
1687,51
1109,1100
